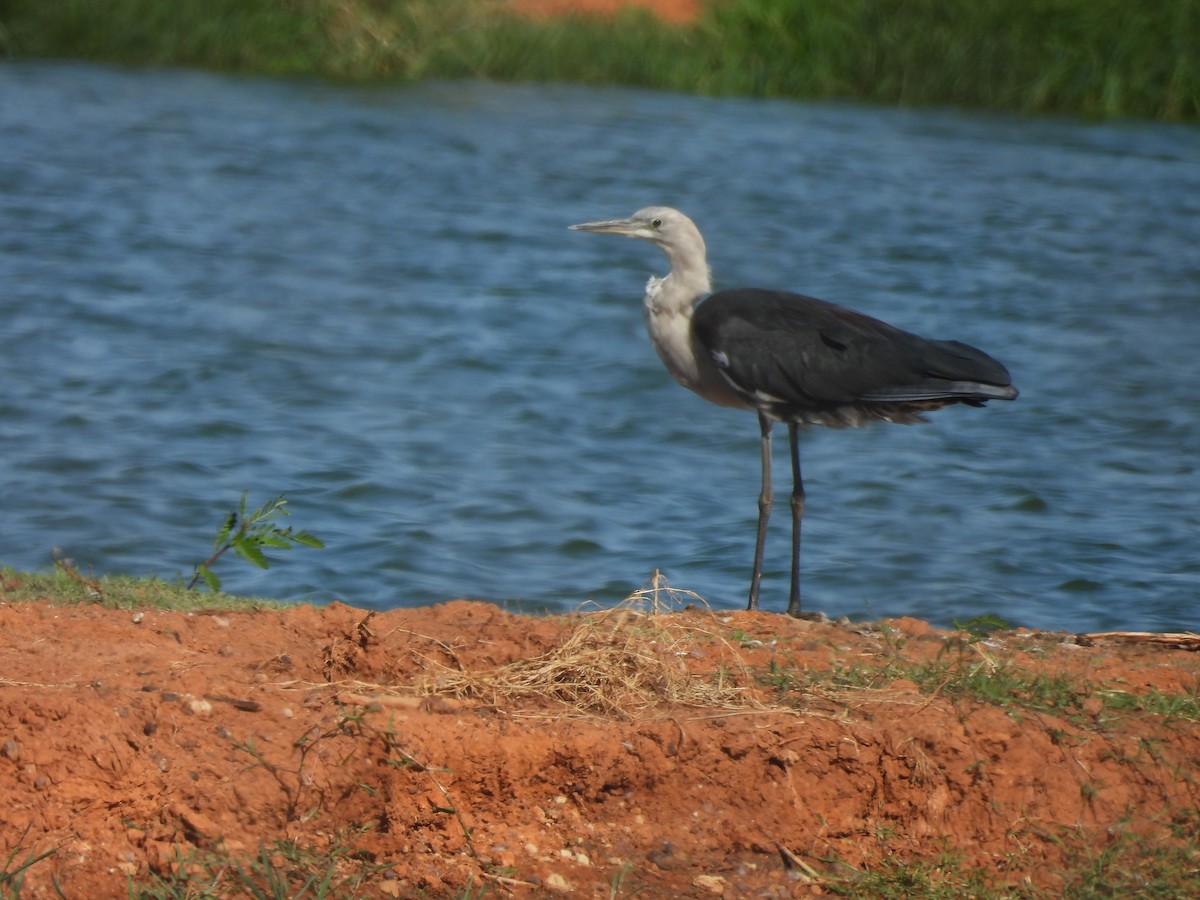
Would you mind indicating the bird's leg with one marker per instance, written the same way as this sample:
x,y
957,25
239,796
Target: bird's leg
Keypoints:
x,y
797,515
764,509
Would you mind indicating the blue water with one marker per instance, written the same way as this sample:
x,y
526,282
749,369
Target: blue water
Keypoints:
x,y
367,298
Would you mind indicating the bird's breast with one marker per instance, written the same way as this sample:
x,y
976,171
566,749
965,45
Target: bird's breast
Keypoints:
x,y
687,361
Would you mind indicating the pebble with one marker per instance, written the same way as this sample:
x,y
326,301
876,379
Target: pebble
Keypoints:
x,y
556,882
198,707
714,884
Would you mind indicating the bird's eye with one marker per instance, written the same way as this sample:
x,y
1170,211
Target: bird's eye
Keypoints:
x,y
657,223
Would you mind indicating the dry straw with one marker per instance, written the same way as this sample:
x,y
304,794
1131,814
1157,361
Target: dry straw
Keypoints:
x,y
635,659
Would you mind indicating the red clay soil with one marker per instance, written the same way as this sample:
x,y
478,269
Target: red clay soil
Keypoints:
x,y
130,740
674,11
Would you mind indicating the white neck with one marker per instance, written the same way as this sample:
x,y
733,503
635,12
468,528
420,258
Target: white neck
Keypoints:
x,y
668,306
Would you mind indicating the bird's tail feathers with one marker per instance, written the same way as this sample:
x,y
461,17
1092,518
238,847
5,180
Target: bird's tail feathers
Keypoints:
x,y
937,389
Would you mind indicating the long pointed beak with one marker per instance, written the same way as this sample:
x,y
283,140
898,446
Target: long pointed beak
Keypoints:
x,y
627,227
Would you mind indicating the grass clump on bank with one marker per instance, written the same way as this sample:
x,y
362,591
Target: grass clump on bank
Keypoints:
x,y
66,585
1088,57
249,533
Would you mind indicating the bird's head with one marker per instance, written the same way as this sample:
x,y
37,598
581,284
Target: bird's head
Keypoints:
x,y
669,228
678,237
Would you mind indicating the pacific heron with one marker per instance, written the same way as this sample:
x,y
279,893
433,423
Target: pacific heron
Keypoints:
x,y
792,359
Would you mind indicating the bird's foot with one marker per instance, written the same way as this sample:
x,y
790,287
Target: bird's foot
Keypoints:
x,y
817,616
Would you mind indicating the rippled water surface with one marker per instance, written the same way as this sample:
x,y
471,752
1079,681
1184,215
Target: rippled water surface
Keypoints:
x,y
367,298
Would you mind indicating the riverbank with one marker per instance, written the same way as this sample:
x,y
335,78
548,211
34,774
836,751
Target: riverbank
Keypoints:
x,y
658,750
1094,58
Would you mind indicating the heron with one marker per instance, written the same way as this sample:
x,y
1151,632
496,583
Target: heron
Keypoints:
x,y
792,359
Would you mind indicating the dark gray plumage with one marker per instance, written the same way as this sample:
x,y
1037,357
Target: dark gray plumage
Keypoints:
x,y
793,359
816,363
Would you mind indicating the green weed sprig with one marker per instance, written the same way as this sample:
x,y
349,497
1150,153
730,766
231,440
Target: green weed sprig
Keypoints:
x,y
249,535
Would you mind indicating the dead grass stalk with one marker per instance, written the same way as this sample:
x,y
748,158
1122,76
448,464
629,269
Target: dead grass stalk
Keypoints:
x,y
629,661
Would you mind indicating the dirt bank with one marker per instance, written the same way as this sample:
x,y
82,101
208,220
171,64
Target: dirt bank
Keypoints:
x,y
419,752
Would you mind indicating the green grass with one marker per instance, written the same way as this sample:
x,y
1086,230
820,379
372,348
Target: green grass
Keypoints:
x,y
1126,866
258,35
1131,866
248,533
1154,703
286,870
1088,57
959,673
896,878
12,873
1099,57
66,585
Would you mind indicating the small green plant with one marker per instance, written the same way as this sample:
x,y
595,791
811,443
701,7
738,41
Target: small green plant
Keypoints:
x,y
980,628
285,870
293,781
777,676
249,535
616,882
1126,864
894,877
1154,702
12,878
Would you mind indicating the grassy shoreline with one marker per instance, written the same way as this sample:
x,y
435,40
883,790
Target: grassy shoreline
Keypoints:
x,y
1094,58
67,586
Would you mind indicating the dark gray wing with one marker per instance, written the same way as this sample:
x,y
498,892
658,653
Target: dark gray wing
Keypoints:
x,y
811,354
